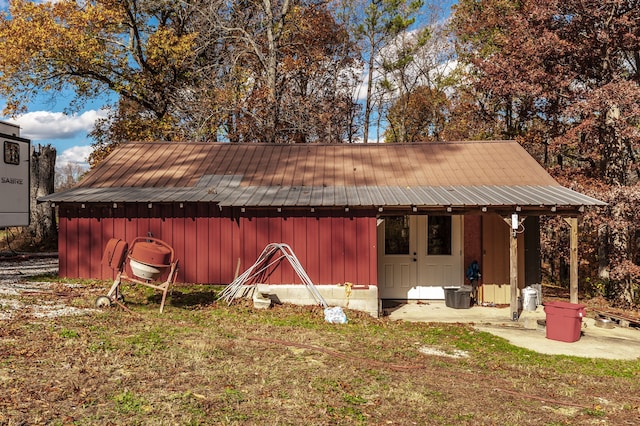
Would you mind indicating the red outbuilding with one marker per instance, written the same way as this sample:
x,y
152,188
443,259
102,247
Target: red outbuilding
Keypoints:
x,y
391,221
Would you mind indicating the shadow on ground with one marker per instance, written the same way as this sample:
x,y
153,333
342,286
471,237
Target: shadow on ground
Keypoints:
x,y
183,299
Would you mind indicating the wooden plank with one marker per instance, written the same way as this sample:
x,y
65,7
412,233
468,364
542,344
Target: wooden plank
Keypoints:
x,y
620,319
513,269
314,257
202,244
495,250
95,248
296,237
65,238
338,244
513,276
215,252
83,256
105,230
573,259
364,236
325,250
286,229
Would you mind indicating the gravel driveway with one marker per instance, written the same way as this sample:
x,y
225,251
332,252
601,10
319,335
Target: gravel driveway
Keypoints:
x,y
33,298
16,269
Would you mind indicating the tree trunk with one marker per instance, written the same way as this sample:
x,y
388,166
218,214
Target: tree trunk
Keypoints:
x,y
603,252
274,29
367,101
42,230
271,71
615,157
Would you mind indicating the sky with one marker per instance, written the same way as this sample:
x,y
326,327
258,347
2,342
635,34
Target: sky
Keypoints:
x,y
46,123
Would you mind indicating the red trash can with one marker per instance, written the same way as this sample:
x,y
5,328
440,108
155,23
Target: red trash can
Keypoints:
x,y
564,321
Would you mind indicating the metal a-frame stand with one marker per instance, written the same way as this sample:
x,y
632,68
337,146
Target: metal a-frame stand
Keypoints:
x,y
270,257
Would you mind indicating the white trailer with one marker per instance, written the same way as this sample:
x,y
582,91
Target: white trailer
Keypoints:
x,y
14,176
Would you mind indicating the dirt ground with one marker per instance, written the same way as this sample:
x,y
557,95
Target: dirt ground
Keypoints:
x,y
63,362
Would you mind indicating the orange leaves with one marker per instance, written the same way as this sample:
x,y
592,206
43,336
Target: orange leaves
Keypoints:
x,y
178,69
48,30
166,48
47,40
88,46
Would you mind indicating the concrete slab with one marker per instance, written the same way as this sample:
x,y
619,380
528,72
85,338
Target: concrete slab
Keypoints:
x,y
594,342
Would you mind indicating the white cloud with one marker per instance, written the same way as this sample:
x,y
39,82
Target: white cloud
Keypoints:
x,y
40,125
75,155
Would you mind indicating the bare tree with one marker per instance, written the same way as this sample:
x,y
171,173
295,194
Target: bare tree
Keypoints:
x,y
68,175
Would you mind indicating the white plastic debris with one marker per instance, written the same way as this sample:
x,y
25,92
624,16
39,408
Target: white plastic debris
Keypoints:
x,y
335,315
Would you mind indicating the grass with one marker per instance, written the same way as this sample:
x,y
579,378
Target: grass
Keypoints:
x,y
129,403
203,362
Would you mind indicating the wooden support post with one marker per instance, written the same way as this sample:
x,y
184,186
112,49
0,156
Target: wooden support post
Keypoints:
x,y
513,263
573,259
513,275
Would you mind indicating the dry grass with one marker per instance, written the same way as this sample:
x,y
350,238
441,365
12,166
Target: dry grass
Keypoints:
x,y
207,363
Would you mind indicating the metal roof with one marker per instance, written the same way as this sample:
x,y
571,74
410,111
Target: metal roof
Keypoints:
x,y
364,196
459,175
172,164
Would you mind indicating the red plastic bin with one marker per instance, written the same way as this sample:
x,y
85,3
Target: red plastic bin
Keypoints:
x,y
564,321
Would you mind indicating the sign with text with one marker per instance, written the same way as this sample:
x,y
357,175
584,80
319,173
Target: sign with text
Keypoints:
x,y
14,181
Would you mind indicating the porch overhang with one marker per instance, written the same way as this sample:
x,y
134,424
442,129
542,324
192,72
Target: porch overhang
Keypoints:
x,y
529,199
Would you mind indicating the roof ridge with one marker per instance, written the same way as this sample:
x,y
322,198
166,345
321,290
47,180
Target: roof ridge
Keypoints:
x,y
318,144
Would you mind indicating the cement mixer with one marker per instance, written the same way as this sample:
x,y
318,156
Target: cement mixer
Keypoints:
x,y
148,258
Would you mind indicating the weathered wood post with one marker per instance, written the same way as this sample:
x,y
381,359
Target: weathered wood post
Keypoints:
x,y
573,259
514,223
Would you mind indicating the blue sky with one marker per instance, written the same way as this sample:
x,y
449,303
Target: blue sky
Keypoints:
x,y
46,123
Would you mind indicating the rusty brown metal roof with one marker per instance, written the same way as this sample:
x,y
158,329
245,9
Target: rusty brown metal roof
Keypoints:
x,y
175,165
487,173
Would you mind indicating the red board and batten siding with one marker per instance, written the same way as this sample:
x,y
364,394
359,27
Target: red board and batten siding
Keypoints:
x,y
333,246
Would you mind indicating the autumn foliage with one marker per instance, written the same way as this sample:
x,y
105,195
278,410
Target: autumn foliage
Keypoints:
x,y
563,77
198,70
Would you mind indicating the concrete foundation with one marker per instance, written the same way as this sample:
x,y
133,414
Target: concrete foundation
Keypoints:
x,y
358,299
261,297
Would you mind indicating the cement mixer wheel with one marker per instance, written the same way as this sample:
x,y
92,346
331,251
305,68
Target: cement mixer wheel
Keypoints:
x,y
103,302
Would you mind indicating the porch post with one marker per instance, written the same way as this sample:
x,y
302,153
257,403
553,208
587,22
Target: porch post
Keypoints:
x,y
573,259
513,275
514,224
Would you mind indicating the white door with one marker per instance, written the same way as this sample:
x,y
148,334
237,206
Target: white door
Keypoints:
x,y
397,256
440,255
419,255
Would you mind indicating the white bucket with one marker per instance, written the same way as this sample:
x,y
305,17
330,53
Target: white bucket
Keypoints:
x,y
530,299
